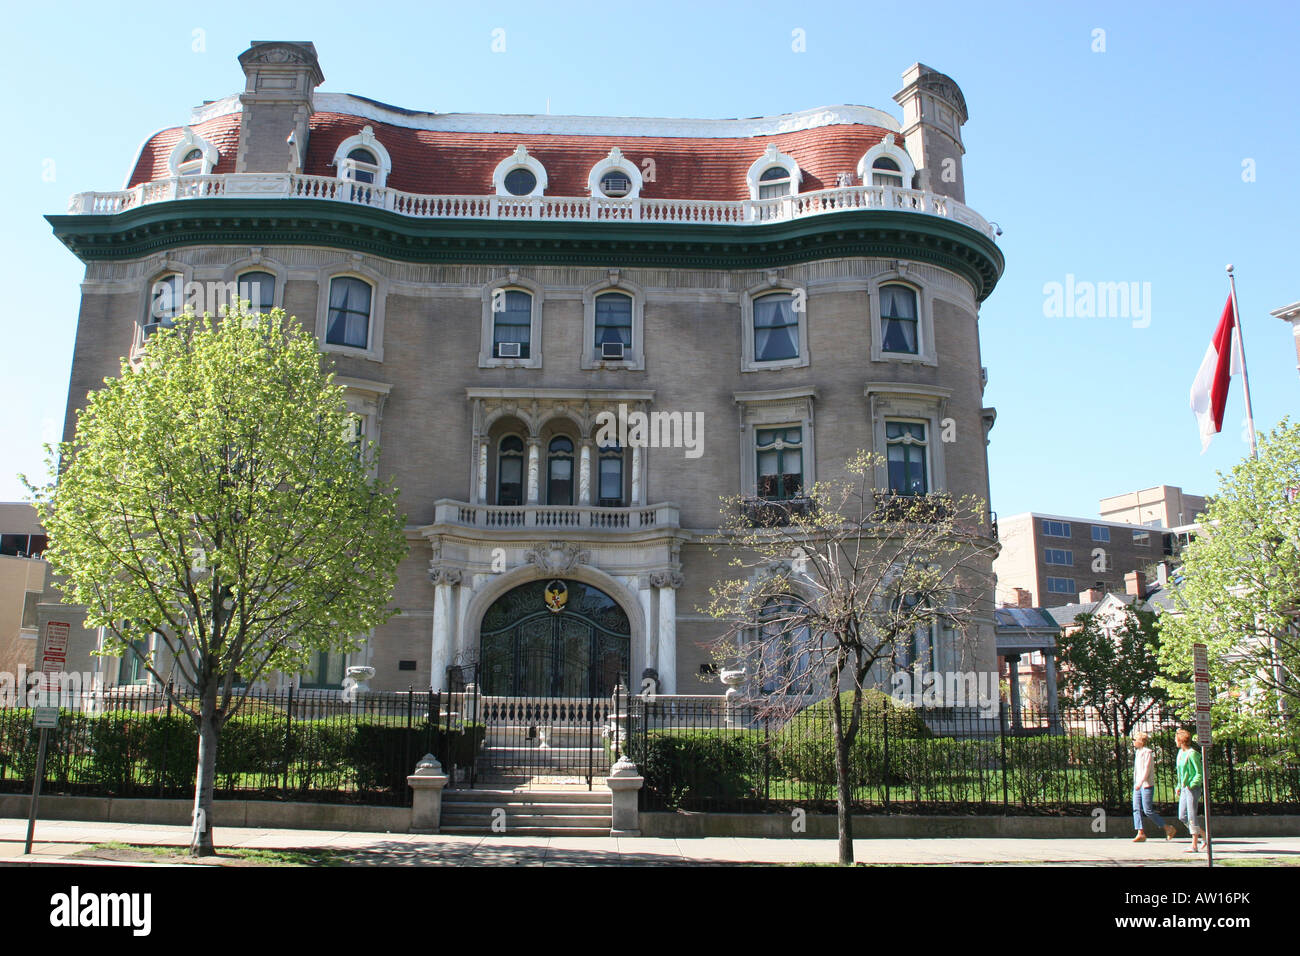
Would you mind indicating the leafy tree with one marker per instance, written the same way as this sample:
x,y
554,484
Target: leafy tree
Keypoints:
x,y
1110,666
213,498
839,590
1240,594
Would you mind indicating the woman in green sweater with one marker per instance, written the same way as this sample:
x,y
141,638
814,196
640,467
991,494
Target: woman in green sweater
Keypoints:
x,y
1189,785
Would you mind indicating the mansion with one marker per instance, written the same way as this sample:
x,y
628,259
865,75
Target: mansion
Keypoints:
x,y
569,337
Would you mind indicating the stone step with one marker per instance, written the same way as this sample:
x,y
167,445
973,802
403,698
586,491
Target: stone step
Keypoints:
x,y
529,809
549,820
530,831
501,798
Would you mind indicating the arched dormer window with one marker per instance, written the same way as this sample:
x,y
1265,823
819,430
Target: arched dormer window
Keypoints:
x,y
774,174
363,159
192,155
510,471
559,471
615,177
886,164
519,175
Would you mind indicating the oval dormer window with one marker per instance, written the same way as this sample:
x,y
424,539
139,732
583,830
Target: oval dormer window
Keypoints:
x,y
615,184
520,182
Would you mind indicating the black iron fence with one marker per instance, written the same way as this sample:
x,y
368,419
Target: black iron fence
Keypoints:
x,y
703,754
299,744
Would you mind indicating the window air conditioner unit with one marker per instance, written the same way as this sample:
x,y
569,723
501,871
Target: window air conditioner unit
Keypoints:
x,y
611,350
508,350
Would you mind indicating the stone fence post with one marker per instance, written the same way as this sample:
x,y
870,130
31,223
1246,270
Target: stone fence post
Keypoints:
x,y
624,782
426,788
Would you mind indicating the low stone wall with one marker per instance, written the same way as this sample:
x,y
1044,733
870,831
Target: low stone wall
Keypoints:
x,y
226,813
867,826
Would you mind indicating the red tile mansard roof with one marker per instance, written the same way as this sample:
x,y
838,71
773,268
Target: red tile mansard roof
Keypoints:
x,y
446,162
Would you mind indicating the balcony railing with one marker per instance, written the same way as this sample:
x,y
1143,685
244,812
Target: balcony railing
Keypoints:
x,y
556,517
539,208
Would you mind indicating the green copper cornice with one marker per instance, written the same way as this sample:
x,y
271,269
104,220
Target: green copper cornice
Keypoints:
x,y
878,233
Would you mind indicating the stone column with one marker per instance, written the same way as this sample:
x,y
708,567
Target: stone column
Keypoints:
x,y
584,473
667,583
624,782
636,476
444,579
533,469
1013,669
482,472
1049,659
646,597
426,795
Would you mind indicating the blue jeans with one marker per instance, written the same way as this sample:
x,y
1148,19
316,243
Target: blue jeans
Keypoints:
x,y
1144,807
1187,808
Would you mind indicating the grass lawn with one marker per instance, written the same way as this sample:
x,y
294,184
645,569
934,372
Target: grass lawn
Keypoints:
x,y
226,856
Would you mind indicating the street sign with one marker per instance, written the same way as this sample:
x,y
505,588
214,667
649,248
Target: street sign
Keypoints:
x,y
1200,662
54,658
1203,695
1203,726
45,718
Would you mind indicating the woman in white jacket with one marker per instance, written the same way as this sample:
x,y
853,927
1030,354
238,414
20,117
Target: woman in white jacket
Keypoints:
x,y
1144,781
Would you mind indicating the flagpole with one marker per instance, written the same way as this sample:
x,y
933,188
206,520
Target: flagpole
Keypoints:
x,y
1241,353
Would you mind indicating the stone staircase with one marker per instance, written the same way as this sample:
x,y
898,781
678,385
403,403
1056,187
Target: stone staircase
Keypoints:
x,y
570,811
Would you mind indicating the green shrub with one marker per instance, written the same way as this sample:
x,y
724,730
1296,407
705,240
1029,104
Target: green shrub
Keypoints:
x,y
682,766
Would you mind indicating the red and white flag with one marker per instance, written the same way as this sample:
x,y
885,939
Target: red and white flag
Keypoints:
x,y
1210,390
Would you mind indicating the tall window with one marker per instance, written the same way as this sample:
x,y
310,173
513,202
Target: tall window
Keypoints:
x,y
906,444
166,302
349,315
326,670
613,321
361,167
898,319
559,471
785,647
191,164
258,289
512,323
611,477
780,462
776,328
885,172
132,669
774,182
510,471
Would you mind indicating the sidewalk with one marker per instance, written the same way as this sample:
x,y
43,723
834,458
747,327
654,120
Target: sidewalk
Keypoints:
x,y
57,841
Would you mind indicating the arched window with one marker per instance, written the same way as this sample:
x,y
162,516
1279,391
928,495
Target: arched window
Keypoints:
x,y
258,290
613,325
191,163
885,172
610,490
166,302
616,184
363,159
559,471
776,328
519,175
774,182
785,647
349,312
361,166
510,471
512,323
520,182
898,325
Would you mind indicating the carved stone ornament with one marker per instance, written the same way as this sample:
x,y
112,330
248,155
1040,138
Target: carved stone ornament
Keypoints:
x,y
557,557
666,579
441,575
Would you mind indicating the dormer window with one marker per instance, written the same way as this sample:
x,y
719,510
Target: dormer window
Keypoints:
x,y
519,175
191,164
774,183
614,177
615,185
361,166
885,172
520,182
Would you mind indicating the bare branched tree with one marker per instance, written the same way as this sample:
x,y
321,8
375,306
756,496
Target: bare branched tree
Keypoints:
x,y
840,589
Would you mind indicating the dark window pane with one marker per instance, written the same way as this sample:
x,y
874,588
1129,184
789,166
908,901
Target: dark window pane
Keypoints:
x,y
520,182
258,288
349,314
776,329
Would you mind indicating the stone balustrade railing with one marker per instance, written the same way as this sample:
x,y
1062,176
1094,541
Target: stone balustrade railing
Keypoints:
x,y
556,517
539,208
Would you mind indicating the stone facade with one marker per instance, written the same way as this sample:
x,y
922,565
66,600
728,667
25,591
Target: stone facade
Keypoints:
x,y
439,415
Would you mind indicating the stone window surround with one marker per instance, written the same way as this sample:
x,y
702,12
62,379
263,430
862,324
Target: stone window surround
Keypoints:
x,y
364,140
887,147
769,285
191,140
775,408
634,358
773,157
366,398
900,274
905,402
163,268
519,159
513,281
615,161
259,263
354,268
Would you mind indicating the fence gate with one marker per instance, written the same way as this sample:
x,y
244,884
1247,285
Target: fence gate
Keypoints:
x,y
537,742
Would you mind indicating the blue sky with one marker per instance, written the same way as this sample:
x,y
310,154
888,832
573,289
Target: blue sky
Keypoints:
x,y
1117,166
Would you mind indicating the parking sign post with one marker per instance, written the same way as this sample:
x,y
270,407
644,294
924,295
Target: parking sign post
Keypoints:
x,y
43,719
1201,675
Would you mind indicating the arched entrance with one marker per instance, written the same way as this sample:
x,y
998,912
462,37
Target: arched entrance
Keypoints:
x,y
553,638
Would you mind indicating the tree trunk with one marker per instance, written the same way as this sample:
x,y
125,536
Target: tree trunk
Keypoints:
x,y
209,732
843,817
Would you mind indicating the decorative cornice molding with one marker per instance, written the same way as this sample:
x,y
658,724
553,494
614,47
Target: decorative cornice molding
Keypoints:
x,y
557,557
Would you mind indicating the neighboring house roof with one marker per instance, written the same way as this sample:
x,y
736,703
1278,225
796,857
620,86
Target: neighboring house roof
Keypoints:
x,y
1019,629
458,162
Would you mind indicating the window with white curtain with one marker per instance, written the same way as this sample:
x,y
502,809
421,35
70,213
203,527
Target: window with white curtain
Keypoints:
x,y
349,312
776,328
898,324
